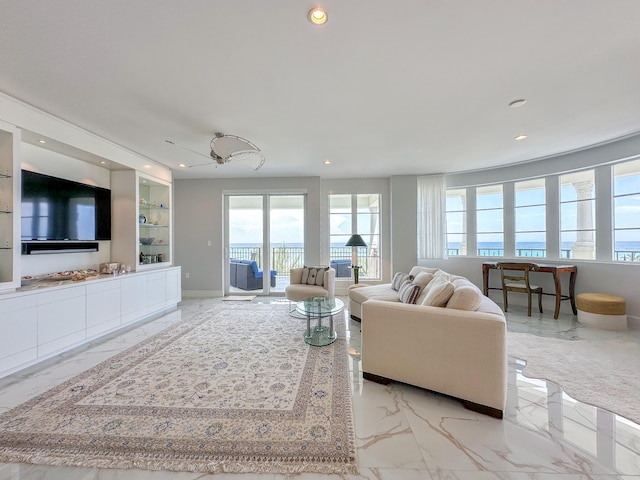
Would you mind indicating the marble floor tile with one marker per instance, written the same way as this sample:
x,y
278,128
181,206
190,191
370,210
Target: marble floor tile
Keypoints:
x,y
403,432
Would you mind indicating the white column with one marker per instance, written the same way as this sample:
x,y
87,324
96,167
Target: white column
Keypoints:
x,y
585,245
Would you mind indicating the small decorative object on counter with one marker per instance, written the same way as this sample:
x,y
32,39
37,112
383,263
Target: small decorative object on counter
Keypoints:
x,y
141,258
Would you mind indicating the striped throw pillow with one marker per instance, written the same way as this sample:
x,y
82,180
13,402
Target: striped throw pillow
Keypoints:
x,y
398,279
409,292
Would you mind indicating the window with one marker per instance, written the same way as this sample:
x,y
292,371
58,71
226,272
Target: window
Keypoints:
x,y
356,213
626,211
456,222
577,215
530,218
489,221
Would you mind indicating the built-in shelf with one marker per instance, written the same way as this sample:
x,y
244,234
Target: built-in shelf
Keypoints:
x,y
154,217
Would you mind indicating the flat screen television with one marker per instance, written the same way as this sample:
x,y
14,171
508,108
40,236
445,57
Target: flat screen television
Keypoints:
x,y
57,209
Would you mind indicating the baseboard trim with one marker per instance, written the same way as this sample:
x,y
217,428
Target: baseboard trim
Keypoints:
x,y
202,293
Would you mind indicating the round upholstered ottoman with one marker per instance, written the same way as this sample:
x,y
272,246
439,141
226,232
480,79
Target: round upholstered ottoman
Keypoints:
x,y
602,310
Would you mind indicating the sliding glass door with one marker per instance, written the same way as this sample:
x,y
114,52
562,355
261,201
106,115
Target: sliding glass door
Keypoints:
x,y
264,240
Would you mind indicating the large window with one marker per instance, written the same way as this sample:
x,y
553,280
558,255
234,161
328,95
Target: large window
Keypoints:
x,y
489,221
578,215
349,214
456,222
626,211
530,218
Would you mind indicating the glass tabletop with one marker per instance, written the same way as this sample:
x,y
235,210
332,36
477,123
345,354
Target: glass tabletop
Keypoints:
x,y
320,306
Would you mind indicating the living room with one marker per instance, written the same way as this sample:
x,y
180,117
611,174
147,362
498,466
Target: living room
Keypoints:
x,y
399,431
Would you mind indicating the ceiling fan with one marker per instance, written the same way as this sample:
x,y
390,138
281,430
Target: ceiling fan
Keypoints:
x,y
225,148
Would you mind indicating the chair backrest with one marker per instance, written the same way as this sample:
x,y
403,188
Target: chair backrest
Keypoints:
x,y
329,281
517,272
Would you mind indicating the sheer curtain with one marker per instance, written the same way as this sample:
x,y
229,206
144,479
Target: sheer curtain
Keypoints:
x,y
432,221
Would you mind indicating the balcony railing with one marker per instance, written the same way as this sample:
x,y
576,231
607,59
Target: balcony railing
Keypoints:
x,y
619,255
285,258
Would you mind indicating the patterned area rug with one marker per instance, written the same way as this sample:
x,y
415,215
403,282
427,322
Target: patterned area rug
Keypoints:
x,y
234,390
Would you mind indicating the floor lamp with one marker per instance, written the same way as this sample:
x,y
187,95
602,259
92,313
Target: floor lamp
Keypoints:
x,y
356,241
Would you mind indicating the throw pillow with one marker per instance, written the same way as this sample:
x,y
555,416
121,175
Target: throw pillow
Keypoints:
x,y
398,279
314,275
439,293
409,292
423,278
465,297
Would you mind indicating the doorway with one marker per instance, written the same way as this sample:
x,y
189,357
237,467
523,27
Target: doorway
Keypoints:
x,y
264,240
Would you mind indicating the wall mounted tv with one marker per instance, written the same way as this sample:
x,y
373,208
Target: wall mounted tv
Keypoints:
x,y
63,210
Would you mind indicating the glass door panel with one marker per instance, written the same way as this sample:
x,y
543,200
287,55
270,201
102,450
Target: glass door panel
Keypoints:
x,y
246,237
286,234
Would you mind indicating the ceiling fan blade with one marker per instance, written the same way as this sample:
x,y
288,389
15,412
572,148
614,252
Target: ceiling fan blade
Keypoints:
x,y
254,158
187,149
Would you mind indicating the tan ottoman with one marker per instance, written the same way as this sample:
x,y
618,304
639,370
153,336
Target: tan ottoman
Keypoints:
x,y
602,310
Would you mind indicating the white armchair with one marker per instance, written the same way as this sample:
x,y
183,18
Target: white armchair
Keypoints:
x,y
296,290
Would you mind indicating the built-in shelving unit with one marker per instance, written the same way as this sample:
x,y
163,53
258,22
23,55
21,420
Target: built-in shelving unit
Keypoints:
x,y
9,186
154,222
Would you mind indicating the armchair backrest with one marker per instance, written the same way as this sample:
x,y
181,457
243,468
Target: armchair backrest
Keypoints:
x,y
328,283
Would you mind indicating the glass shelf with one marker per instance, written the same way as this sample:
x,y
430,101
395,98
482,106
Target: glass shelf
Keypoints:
x,y
151,225
148,206
6,211
5,175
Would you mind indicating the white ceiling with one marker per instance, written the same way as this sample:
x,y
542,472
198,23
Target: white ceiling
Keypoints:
x,y
405,87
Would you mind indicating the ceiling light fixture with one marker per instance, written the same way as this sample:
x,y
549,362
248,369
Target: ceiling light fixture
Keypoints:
x,y
42,141
520,137
318,16
517,103
327,162
182,165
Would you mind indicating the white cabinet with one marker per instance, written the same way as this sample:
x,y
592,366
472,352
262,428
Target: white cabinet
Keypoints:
x,y
19,327
39,324
61,319
9,208
103,307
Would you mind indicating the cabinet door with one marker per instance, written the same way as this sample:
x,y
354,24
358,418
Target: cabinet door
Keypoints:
x,y
19,327
156,291
103,307
173,287
133,298
61,320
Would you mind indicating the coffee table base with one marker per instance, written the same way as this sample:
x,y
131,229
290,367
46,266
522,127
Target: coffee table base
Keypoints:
x,y
320,336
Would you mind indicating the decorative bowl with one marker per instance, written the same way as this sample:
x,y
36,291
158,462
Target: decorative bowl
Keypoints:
x,y
146,240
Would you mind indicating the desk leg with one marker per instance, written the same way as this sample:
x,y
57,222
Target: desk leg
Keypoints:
x,y
485,280
572,292
556,281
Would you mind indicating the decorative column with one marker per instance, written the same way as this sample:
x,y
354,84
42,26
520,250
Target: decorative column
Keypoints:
x,y
585,245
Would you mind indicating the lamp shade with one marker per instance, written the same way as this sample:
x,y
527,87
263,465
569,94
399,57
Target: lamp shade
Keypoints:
x,y
355,241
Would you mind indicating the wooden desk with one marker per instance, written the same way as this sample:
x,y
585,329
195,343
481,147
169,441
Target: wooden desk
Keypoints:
x,y
556,270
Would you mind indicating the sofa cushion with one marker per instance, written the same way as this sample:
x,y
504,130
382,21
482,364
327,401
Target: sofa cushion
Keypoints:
x,y
409,292
440,290
379,292
417,269
465,297
398,279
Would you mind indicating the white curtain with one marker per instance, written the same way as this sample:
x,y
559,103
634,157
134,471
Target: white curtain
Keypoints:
x,y
432,221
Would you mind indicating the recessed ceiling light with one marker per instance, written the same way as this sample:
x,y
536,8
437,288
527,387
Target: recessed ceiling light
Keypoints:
x,y
181,165
42,141
318,16
102,162
520,137
327,162
517,103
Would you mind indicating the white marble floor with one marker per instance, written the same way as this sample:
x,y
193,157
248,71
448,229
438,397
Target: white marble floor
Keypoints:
x,y
405,433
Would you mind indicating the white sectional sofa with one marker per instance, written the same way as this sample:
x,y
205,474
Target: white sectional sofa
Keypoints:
x,y
457,349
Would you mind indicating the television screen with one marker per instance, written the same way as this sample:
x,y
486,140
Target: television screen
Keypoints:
x,y
58,209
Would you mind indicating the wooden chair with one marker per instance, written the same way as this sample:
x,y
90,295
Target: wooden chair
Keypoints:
x,y
515,278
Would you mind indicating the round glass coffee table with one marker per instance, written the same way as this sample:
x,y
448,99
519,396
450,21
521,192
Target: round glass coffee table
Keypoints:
x,y
318,308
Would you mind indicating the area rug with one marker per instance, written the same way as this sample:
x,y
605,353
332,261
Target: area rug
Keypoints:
x,y
238,298
234,389
600,373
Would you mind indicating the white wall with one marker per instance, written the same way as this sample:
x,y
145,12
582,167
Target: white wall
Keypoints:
x,y
199,218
